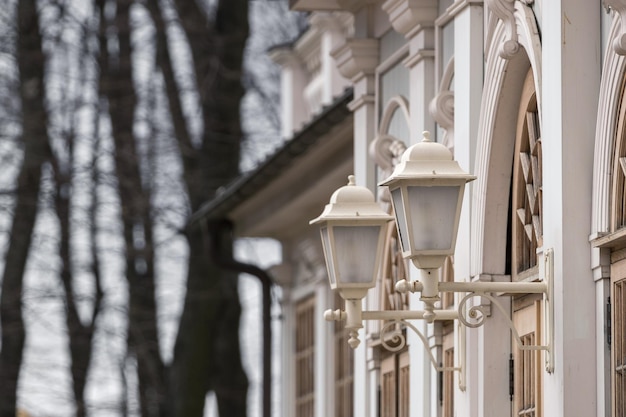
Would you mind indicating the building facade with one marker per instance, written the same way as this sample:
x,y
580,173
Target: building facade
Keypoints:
x,y
529,96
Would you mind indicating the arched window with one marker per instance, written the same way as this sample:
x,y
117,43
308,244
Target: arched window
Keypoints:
x,y
526,238
618,269
527,195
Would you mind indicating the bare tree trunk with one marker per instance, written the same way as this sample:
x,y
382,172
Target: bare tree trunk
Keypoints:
x,y
117,85
207,355
31,61
80,335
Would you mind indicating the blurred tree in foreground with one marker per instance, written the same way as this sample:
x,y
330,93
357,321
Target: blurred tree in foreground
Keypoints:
x,y
118,119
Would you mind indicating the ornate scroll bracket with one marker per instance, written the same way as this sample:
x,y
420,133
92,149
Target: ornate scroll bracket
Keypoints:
x,y
474,316
391,332
619,6
505,11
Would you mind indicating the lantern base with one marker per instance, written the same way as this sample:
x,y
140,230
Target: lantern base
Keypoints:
x,y
428,261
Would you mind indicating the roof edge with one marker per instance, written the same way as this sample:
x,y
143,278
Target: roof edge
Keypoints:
x,y
249,183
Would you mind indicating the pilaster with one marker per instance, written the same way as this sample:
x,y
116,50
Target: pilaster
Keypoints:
x,y
415,19
357,60
571,79
468,84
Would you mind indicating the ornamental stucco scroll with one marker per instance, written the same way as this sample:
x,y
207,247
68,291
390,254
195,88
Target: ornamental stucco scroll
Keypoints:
x,y
619,42
505,11
442,106
386,150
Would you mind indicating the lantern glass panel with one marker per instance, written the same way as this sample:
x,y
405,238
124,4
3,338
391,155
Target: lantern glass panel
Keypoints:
x,y
356,248
433,214
328,254
398,208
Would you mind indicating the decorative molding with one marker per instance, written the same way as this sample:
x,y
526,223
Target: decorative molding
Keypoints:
x,y
284,56
505,11
326,21
488,214
609,101
408,16
386,150
442,106
394,103
308,48
357,57
461,5
418,57
619,41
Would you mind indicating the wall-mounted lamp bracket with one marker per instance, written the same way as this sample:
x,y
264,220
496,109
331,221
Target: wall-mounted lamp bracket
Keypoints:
x,y
467,316
391,335
474,316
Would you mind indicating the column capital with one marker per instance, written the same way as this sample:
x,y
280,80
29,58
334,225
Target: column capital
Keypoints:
x,y
284,56
418,57
409,16
357,57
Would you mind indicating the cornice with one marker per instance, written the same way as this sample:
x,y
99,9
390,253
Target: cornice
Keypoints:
x,y
308,48
283,56
361,101
405,15
323,21
357,57
619,42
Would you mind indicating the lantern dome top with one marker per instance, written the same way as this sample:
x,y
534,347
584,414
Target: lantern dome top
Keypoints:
x,y
354,203
428,162
352,193
427,150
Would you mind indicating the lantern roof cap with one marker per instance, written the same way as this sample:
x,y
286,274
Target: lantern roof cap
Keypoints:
x,y
352,202
427,150
428,161
352,193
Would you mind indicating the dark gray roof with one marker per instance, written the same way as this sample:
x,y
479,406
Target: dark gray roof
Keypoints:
x,y
253,181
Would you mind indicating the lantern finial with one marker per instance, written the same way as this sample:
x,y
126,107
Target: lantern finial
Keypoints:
x,y
426,136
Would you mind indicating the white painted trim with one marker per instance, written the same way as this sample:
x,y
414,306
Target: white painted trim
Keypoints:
x,y
608,112
493,165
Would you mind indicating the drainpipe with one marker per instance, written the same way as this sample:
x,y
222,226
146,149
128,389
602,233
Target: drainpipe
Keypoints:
x,y
217,229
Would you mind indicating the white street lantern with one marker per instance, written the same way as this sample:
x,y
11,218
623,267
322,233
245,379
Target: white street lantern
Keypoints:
x,y
353,236
427,192
427,189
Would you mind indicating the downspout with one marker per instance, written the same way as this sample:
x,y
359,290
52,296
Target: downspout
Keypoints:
x,y
215,230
